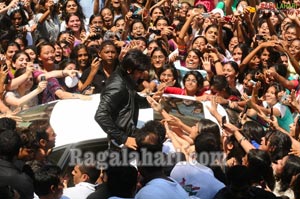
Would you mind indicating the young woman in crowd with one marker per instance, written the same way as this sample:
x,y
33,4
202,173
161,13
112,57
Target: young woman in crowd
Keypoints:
x,y
193,85
53,90
71,7
107,18
20,60
23,97
273,106
48,20
101,67
76,28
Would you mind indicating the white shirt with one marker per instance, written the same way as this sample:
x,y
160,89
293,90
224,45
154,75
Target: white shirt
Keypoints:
x,y
80,191
196,179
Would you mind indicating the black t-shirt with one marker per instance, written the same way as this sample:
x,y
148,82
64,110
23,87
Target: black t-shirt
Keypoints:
x,y
98,81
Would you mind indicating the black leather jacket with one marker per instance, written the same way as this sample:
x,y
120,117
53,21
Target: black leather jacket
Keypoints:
x,y
119,105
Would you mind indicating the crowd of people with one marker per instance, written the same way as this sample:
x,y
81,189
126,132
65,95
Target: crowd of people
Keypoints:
x,y
242,55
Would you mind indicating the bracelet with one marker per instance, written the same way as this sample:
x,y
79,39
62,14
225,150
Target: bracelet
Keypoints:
x,y
62,72
216,61
243,138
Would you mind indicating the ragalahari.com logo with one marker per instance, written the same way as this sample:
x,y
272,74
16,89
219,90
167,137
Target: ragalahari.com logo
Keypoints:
x,y
288,8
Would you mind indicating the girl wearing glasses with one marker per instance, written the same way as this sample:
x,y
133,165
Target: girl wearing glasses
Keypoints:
x,y
193,84
71,7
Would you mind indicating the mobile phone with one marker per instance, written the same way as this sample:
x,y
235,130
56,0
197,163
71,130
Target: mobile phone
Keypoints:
x,y
223,121
86,89
284,97
271,114
227,18
260,38
253,82
43,78
4,67
205,15
70,32
251,9
157,32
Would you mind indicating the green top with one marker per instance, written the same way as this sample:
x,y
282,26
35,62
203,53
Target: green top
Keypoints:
x,y
221,5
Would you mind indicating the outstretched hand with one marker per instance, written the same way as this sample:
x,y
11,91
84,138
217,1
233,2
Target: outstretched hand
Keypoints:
x,y
154,104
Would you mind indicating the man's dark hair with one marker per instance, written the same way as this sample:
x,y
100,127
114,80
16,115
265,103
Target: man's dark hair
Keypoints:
x,y
38,128
151,136
7,124
28,139
280,144
135,60
149,140
238,179
91,171
156,127
206,142
122,181
10,144
44,178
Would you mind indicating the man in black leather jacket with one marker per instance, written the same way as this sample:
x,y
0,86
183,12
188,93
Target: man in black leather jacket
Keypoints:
x,y
119,106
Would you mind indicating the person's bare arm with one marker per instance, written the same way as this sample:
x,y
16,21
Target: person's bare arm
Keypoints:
x,y
124,7
47,13
12,4
274,124
228,9
16,82
294,17
15,101
61,94
245,144
4,108
94,68
252,53
158,4
282,80
96,7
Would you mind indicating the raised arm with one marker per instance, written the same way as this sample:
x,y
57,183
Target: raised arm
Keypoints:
x,y
252,53
181,38
15,101
96,7
245,144
16,82
47,13
94,68
12,4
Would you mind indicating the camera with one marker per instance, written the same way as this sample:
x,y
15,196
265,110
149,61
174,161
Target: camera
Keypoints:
x,y
97,29
135,16
43,78
110,35
178,6
157,32
70,32
20,4
95,36
260,38
205,15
